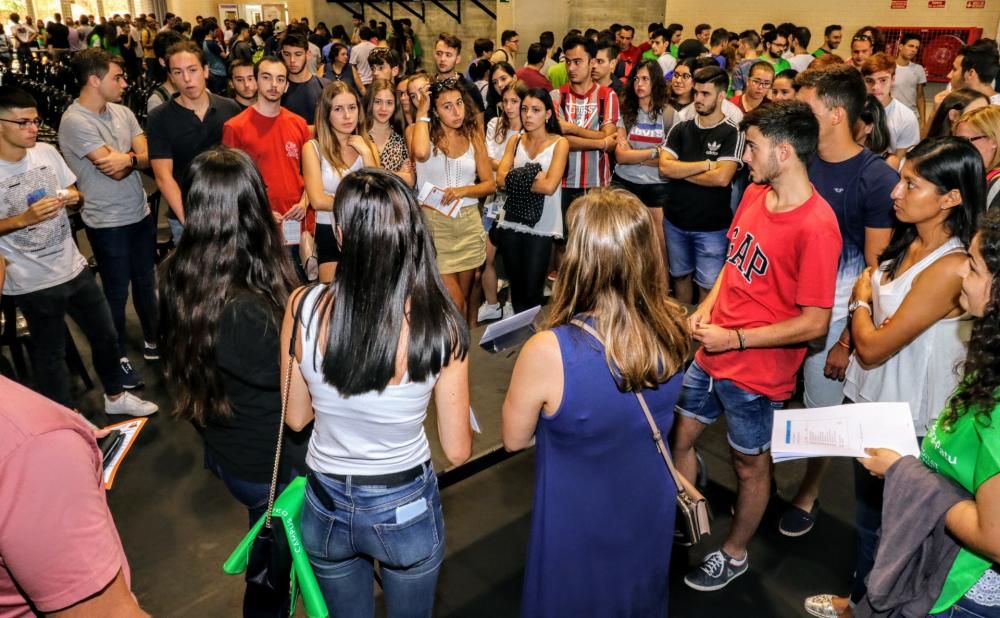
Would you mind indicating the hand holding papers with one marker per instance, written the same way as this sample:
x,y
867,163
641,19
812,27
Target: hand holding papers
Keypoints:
x,y
843,431
433,197
510,332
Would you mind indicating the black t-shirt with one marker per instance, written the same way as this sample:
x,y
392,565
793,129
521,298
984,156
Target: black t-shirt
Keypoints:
x,y
242,50
58,35
301,98
247,355
175,132
692,207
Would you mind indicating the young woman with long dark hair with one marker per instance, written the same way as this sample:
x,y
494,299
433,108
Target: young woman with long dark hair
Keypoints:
x,y
872,131
596,465
366,382
955,103
500,76
907,324
449,148
339,68
341,146
682,84
962,444
645,120
527,249
499,132
384,125
219,329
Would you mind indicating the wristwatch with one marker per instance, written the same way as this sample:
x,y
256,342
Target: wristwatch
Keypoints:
x,y
135,162
858,304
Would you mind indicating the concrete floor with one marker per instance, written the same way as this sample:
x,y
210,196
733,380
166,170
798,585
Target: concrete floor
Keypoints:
x,y
178,523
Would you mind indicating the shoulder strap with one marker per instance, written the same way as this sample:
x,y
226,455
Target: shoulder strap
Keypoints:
x,y
285,388
657,436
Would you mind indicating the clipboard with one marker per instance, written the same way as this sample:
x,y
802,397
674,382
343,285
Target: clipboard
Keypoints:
x,y
130,431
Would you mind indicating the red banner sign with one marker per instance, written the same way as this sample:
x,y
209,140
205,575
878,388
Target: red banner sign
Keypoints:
x,y
975,4
936,4
897,4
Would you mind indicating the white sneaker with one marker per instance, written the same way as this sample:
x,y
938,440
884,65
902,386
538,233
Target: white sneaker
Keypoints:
x,y
489,312
508,310
129,404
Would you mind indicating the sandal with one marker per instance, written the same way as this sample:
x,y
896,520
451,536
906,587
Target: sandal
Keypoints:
x,y
821,606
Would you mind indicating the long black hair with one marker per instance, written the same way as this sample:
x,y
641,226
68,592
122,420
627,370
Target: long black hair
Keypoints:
x,y
980,386
494,98
552,124
956,101
657,99
949,163
878,141
230,247
387,276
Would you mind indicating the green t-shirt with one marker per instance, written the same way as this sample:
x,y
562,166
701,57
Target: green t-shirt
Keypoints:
x,y
649,55
969,454
779,65
819,52
674,50
558,75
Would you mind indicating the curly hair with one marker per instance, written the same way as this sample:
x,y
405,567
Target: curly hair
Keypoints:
x,y
980,388
658,96
470,129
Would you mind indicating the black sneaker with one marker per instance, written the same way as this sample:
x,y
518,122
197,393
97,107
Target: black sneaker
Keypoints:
x,y
130,379
716,571
150,352
796,521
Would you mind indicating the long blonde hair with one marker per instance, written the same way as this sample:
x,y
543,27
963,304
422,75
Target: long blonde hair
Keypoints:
x,y
986,121
611,269
325,137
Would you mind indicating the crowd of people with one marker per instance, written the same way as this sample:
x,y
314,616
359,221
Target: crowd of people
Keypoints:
x,y
821,219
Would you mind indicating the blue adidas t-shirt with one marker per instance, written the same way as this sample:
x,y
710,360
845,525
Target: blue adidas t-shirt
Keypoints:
x,y
858,190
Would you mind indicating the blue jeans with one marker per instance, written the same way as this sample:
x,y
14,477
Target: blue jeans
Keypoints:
x,y
251,494
749,416
176,229
127,254
701,253
402,527
967,608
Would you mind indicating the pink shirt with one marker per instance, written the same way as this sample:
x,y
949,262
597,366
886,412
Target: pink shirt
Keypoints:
x,y
58,541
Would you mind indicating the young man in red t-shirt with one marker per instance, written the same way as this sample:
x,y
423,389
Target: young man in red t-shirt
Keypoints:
x,y
773,295
273,136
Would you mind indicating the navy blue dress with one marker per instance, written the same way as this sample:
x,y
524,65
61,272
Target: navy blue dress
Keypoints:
x,y
603,522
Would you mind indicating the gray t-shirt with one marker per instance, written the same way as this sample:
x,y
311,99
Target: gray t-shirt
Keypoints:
x,y
904,84
647,133
110,202
44,255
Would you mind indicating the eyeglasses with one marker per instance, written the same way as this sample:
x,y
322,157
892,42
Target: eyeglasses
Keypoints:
x,y
682,76
24,122
760,83
978,137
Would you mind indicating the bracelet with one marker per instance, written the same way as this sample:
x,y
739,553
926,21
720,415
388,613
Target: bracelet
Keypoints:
x,y
655,154
846,346
742,338
424,119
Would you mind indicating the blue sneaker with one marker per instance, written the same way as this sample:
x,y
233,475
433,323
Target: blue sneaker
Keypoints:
x,y
716,571
130,379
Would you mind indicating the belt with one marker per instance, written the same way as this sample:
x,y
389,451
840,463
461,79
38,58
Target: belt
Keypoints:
x,y
388,480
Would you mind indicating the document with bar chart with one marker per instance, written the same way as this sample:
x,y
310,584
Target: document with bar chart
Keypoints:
x,y
843,431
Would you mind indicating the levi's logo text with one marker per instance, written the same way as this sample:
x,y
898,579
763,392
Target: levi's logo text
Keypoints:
x,y
747,256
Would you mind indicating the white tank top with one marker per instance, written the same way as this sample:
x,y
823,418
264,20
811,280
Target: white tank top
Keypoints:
x,y
366,434
551,222
446,173
331,181
924,373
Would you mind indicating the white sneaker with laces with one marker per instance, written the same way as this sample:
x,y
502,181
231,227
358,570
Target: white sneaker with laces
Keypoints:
x,y
489,312
130,405
508,310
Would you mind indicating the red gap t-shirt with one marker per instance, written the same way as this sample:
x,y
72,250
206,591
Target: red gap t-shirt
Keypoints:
x,y
777,263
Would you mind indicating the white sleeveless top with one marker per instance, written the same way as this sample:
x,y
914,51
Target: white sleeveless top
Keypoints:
x,y
366,434
331,181
551,223
446,173
924,373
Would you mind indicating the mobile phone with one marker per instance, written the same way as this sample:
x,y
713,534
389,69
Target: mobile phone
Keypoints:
x,y
109,444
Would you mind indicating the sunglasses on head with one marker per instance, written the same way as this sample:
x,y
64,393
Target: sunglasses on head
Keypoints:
x,y
445,84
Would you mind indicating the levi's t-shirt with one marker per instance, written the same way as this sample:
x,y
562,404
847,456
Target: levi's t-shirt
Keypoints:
x,y
969,454
777,263
275,144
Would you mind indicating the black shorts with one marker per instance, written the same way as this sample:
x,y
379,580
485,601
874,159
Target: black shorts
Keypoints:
x,y
326,244
653,195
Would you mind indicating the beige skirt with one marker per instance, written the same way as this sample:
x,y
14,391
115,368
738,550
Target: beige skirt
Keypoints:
x,y
460,243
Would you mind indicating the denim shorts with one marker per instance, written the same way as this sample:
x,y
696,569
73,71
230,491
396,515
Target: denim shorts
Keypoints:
x,y
749,416
402,527
967,608
701,253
